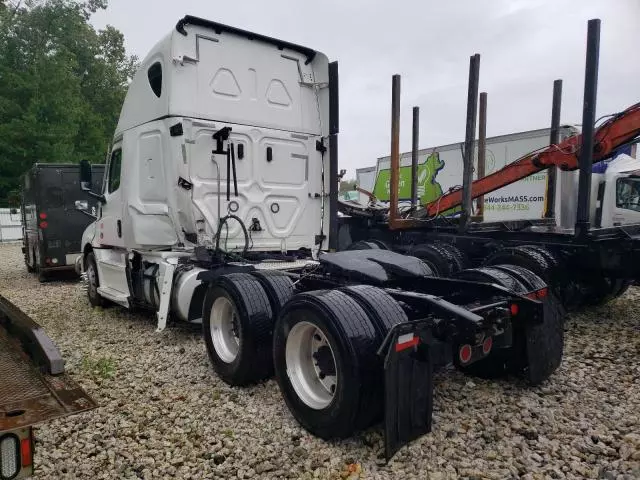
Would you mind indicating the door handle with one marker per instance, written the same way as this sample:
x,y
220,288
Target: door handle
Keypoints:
x,y
119,224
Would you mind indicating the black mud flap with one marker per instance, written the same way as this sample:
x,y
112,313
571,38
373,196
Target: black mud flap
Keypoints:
x,y
545,341
408,384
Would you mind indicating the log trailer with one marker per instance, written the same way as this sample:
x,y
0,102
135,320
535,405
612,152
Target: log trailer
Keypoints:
x,y
218,207
585,265
34,388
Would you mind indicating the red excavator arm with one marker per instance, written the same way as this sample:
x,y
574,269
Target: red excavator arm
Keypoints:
x,y
615,132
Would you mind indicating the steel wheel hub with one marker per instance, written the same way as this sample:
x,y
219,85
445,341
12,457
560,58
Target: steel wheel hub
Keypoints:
x,y
224,329
311,365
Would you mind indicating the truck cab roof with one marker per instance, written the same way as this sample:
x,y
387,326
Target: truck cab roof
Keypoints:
x,y
206,70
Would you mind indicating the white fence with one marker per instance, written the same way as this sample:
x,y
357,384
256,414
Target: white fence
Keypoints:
x,y
10,225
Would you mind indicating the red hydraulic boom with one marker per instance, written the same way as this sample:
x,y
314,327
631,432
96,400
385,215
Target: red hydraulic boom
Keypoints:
x,y
615,132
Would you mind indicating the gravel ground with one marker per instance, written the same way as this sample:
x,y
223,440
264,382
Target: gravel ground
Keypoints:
x,y
164,414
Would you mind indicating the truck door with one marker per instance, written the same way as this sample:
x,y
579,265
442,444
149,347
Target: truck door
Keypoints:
x,y
627,201
110,254
109,229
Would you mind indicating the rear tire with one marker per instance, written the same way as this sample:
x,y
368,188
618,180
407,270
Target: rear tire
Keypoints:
x,y
277,286
552,260
326,364
545,265
530,259
442,262
492,275
237,324
93,282
383,311
526,277
461,258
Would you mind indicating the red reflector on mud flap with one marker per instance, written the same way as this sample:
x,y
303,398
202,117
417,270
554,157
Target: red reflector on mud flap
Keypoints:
x,y
465,353
514,309
487,344
407,340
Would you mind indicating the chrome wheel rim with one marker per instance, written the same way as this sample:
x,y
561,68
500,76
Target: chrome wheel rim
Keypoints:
x,y
311,365
224,329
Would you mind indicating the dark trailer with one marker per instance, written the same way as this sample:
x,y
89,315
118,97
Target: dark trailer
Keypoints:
x,y
52,225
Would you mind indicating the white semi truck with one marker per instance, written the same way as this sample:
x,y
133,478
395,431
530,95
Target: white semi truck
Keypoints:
x,y
218,205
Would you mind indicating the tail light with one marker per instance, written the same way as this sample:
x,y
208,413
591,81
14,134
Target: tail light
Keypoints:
x,y
514,309
538,294
43,216
43,225
25,452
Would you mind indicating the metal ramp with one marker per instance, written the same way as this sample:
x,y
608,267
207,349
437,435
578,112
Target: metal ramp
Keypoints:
x,y
33,385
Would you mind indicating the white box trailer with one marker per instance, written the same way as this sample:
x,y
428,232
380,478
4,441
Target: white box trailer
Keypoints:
x,y
440,169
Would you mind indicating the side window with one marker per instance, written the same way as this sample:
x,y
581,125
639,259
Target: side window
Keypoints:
x,y
155,78
628,193
114,171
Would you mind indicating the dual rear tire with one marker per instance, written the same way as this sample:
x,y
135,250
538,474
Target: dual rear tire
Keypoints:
x,y
237,323
325,354
322,346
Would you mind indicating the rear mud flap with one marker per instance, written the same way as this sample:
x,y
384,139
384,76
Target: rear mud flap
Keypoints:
x,y
408,377
545,342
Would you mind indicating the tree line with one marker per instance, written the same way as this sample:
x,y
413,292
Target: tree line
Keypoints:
x,y
62,84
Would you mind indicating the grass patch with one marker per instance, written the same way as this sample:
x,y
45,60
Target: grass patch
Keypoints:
x,y
104,367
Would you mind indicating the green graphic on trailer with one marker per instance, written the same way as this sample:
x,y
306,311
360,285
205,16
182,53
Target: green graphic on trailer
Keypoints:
x,y
428,188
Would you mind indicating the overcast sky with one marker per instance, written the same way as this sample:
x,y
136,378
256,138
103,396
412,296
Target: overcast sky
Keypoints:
x,y
524,44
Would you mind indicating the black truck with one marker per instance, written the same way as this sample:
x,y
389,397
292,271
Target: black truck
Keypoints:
x,y
52,225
